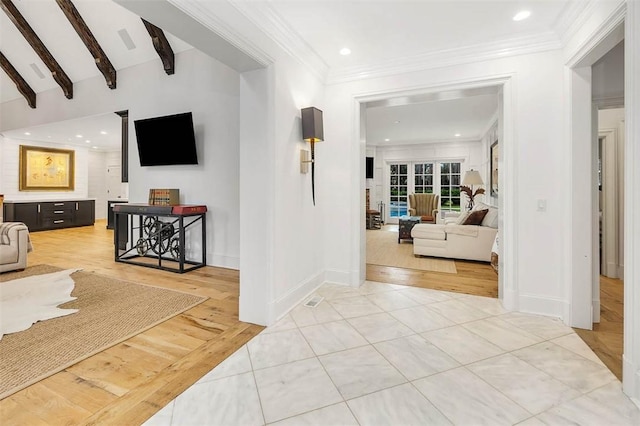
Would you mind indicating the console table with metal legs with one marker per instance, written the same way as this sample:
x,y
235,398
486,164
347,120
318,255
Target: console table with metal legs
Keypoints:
x,y
158,240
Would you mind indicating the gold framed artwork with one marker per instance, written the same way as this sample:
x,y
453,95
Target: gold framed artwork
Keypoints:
x,y
494,155
46,169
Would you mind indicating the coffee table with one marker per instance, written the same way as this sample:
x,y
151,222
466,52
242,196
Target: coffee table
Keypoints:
x,y
405,225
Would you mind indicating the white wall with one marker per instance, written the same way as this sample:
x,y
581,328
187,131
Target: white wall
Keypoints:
x,y
98,181
538,160
201,85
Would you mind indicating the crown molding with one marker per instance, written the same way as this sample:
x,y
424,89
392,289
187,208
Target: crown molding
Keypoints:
x,y
572,18
615,18
265,17
447,57
412,143
204,13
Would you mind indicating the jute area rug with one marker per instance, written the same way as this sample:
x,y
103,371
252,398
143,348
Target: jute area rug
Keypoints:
x,y
110,311
383,249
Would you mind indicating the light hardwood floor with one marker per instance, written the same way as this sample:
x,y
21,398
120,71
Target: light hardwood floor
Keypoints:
x,y
129,382
606,338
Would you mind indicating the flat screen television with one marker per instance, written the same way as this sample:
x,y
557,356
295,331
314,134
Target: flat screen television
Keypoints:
x,y
369,164
167,140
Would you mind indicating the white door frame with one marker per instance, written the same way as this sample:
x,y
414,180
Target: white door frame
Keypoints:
x,y
624,23
507,281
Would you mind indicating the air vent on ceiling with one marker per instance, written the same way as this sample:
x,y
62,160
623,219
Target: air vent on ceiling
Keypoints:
x,y
36,69
126,39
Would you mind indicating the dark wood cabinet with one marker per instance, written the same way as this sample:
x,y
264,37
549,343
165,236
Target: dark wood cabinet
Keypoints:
x,y
85,213
40,216
27,212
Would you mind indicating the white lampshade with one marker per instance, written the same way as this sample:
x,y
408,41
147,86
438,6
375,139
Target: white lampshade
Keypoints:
x,y
472,177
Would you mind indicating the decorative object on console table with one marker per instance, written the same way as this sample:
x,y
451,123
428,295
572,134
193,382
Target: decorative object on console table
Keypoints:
x,y
472,177
188,209
405,225
164,197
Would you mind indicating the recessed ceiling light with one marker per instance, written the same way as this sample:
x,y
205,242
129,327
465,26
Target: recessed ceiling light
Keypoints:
x,y
396,122
102,132
49,136
345,51
457,135
95,147
88,141
27,133
387,140
78,136
522,15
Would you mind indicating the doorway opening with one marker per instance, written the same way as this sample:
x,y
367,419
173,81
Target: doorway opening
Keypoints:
x,y
423,143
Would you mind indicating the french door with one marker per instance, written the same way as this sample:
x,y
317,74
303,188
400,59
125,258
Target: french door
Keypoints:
x,y
422,177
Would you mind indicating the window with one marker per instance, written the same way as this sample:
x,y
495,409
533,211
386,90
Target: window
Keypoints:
x,y
423,178
398,189
450,186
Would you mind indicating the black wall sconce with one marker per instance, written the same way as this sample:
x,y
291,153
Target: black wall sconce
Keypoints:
x,y
312,132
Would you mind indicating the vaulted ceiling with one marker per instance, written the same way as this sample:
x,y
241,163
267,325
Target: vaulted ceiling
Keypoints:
x,y
381,35
121,35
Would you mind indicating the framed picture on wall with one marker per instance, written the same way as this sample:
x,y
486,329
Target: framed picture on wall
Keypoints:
x,y
46,169
494,156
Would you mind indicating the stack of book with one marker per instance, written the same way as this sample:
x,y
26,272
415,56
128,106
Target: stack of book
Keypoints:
x,y
164,197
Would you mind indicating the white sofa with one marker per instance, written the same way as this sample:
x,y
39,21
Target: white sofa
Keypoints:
x,y
14,245
456,241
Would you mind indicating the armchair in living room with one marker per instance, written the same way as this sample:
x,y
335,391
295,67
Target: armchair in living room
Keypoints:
x,y
426,205
14,245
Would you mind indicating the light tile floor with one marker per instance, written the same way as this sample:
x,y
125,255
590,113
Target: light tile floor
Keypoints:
x,y
385,354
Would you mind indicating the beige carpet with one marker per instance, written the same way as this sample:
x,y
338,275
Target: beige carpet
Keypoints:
x,y
383,249
110,311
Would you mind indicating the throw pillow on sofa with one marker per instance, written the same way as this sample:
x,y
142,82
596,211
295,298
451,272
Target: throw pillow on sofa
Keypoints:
x,y
476,217
462,217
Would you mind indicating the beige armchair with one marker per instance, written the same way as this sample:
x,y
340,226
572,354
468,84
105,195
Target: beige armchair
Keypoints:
x,y
427,206
14,245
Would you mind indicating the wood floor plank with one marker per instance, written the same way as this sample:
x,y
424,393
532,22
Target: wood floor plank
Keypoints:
x,y
606,338
129,382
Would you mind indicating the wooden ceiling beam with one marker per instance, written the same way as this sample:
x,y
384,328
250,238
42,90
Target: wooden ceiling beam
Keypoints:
x,y
36,44
162,46
21,84
85,34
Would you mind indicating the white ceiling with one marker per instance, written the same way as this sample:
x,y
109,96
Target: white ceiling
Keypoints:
x,y
66,132
380,31
428,122
376,31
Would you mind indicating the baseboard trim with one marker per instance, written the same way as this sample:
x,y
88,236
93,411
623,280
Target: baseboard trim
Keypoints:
x,y
281,306
595,310
338,277
222,261
547,306
510,299
631,380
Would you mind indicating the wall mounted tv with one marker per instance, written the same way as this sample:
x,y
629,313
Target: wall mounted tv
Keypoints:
x,y
369,171
167,140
